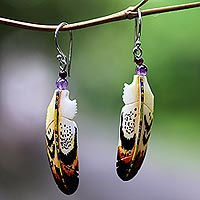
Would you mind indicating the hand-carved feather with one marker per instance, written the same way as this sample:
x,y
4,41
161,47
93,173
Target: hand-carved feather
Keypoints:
x,y
135,127
61,141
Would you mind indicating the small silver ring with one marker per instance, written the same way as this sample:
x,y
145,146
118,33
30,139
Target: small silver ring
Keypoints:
x,y
137,52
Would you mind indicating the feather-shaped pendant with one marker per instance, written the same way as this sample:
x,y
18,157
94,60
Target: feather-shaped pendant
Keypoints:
x,y
135,127
61,141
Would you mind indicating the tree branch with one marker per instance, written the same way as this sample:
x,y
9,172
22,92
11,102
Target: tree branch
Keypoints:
x,y
128,13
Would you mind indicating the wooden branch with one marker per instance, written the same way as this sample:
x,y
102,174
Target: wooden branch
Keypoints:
x,y
128,13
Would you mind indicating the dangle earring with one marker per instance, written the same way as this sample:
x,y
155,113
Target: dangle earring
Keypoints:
x,y
136,115
61,130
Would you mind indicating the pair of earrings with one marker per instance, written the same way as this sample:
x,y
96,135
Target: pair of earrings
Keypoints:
x,y
135,122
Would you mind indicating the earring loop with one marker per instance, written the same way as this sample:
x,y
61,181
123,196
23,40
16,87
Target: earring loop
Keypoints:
x,y
61,57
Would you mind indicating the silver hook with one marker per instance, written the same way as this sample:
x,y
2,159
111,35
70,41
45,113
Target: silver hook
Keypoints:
x,y
61,57
138,26
137,51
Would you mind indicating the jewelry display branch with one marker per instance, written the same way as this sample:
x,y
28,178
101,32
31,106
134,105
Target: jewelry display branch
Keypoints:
x,y
129,13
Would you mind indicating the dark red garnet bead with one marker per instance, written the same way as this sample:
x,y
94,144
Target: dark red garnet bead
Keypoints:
x,y
63,74
139,61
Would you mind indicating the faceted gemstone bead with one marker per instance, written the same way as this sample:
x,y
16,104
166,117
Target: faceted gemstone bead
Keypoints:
x,y
62,84
139,61
141,70
63,74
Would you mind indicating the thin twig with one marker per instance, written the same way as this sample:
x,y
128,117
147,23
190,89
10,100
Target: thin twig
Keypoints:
x,y
128,13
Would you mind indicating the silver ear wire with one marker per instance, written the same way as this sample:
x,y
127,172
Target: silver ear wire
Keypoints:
x,y
138,26
137,51
61,57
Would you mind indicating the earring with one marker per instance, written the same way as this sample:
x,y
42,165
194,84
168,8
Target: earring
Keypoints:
x,y
61,130
136,115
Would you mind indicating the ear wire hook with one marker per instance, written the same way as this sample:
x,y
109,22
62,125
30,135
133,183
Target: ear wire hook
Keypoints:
x,y
138,26
61,57
137,51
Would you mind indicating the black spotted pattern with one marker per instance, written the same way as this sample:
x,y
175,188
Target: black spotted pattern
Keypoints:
x,y
66,136
126,143
129,121
71,156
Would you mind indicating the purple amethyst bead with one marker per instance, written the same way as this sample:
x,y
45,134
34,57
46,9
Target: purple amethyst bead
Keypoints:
x,y
141,70
62,84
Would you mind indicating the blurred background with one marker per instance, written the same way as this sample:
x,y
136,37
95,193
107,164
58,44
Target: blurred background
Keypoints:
x,y
102,62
